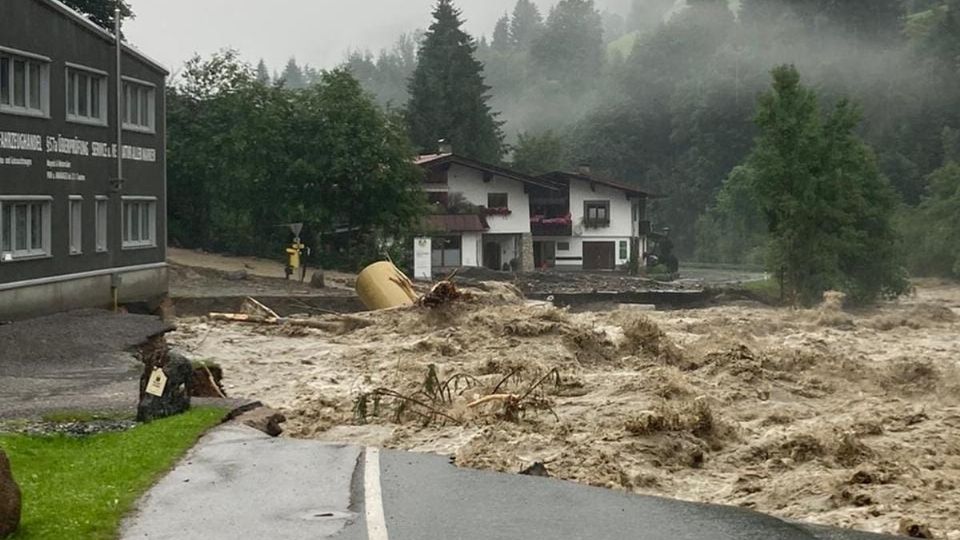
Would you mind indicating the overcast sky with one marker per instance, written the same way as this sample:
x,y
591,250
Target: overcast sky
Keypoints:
x,y
316,32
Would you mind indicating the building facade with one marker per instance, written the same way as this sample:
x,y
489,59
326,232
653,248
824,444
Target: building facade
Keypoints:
x,y
588,222
482,214
71,234
492,217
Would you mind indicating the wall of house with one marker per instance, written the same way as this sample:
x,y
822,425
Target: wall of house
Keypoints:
x,y
621,210
573,258
469,183
76,160
471,249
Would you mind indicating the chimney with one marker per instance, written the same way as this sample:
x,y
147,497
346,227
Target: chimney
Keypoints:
x,y
583,168
445,147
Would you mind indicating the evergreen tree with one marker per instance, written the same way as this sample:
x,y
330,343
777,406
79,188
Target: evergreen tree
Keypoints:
x,y
526,25
501,35
263,74
828,209
101,11
293,76
571,48
448,96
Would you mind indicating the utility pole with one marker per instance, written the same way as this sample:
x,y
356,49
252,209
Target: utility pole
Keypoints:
x,y
116,30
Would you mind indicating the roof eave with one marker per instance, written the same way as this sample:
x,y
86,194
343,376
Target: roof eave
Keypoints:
x,y
92,27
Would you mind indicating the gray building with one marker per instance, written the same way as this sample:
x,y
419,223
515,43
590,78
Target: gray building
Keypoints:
x,y
71,234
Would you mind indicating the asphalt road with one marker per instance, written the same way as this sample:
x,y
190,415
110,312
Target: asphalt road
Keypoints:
x,y
237,483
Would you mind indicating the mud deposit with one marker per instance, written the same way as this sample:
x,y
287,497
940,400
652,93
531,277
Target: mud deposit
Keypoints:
x,y
849,419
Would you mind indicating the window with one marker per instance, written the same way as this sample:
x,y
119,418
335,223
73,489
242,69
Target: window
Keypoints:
x,y
24,228
623,250
76,224
101,215
447,251
24,84
86,96
563,246
139,111
596,214
139,222
497,200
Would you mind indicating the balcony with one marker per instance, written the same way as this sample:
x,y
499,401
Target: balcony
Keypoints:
x,y
551,226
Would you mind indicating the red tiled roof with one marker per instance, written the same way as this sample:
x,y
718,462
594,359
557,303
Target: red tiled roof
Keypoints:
x,y
455,223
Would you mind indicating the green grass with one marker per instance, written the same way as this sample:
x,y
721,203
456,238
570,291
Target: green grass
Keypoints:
x,y
766,291
82,487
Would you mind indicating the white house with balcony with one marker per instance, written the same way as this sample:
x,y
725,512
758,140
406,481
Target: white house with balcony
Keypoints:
x,y
481,215
587,222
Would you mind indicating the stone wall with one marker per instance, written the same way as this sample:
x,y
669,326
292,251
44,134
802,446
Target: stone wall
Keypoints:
x,y
526,253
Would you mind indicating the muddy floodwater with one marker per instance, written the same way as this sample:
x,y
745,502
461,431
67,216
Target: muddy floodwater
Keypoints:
x,y
849,419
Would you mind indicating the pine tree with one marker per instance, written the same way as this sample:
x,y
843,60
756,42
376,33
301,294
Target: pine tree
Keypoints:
x,y
263,74
448,96
526,25
501,35
292,75
828,208
571,47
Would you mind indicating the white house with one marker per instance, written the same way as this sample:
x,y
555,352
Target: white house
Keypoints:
x,y
588,222
484,213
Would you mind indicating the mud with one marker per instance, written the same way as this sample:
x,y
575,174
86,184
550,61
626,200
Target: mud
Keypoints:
x,y
849,419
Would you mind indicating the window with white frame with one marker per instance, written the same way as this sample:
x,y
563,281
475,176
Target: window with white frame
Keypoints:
x,y
24,227
101,215
86,95
75,209
139,111
139,222
24,84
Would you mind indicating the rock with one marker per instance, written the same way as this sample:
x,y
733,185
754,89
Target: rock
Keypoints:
x,y
537,469
913,529
264,419
176,393
317,279
9,499
207,381
238,275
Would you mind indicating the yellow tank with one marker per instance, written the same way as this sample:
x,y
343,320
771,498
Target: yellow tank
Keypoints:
x,y
382,285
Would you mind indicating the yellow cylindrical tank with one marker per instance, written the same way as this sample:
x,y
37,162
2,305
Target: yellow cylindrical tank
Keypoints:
x,y
382,285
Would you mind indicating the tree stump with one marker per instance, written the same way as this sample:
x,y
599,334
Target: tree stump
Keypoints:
x,y
175,395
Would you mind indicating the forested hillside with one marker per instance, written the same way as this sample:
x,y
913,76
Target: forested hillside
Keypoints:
x,y
664,95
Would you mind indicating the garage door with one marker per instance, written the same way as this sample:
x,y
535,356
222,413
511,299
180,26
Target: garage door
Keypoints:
x,y
599,255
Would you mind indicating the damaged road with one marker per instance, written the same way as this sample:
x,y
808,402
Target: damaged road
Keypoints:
x,y
238,482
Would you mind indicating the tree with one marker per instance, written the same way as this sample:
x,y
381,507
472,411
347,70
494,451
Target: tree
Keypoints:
x,y
501,35
526,24
293,77
245,157
828,209
933,229
448,96
263,74
571,48
101,11
539,154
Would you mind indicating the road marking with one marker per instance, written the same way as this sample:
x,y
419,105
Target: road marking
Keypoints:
x,y
373,498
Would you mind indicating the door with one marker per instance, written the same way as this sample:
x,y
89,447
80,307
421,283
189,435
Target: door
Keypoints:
x,y
544,254
491,256
599,255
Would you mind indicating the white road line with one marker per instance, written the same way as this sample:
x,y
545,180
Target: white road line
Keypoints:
x,y
373,498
